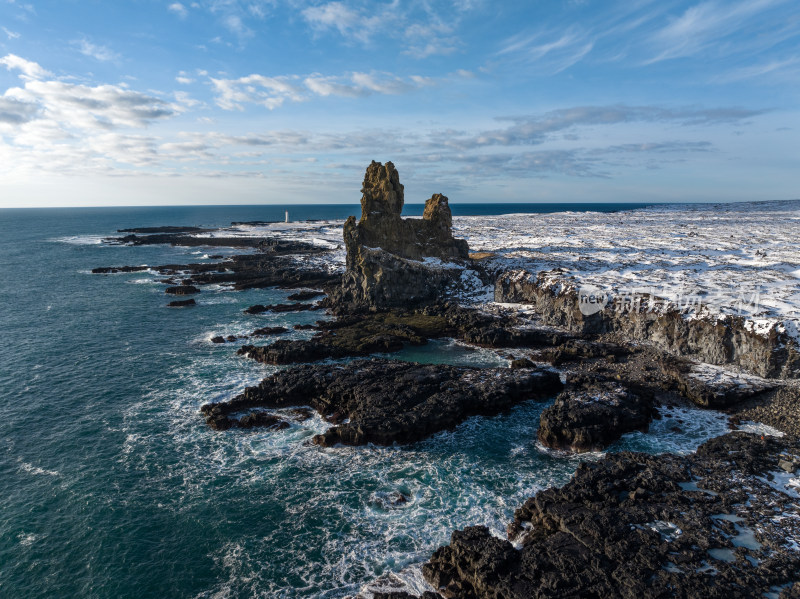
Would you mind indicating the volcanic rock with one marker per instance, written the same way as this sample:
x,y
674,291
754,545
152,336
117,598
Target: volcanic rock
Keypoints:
x,y
259,308
592,413
385,252
181,303
385,402
182,290
637,525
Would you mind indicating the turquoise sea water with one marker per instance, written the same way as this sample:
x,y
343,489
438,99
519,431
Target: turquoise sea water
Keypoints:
x,y
112,486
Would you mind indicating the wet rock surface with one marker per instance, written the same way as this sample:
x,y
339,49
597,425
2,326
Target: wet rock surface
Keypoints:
x,y
260,309
387,331
710,387
594,412
182,303
711,524
384,402
182,290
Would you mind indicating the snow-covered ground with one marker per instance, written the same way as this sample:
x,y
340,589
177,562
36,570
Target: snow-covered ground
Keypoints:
x,y
740,259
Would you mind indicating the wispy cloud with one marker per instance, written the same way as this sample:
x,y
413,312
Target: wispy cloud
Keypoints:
x,y
535,130
272,92
96,51
704,24
12,35
773,67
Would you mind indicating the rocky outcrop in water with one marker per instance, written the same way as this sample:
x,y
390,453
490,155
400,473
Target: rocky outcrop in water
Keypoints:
x,y
716,524
362,334
384,401
592,413
385,252
278,268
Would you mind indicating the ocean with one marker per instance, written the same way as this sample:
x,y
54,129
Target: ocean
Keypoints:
x,y
111,485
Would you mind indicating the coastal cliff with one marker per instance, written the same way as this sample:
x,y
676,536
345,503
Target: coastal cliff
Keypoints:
x,y
726,340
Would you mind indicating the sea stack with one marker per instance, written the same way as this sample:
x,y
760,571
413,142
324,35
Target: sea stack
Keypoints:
x,y
386,253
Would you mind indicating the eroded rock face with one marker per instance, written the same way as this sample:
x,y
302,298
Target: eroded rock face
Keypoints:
x,y
723,341
385,251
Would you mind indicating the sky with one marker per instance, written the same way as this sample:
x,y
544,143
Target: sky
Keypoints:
x,y
145,102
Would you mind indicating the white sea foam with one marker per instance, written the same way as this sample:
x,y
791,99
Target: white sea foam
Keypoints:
x,y
36,470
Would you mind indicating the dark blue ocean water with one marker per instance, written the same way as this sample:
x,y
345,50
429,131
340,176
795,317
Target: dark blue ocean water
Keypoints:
x,y
112,486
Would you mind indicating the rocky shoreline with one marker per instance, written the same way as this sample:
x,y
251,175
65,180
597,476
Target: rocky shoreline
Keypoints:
x,y
626,525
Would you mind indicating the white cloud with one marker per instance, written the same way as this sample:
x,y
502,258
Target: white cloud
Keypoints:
x,y
12,35
338,16
30,70
179,9
183,78
269,92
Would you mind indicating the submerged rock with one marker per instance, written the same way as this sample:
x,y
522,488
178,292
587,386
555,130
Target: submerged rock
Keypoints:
x,y
182,290
181,303
385,402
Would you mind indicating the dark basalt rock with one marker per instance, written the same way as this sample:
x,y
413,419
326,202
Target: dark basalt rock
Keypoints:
x,y
404,595
182,290
720,394
302,296
266,331
388,331
260,309
167,229
181,303
649,319
384,251
385,402
581,349
262,420
592,413
277,268
218,339
637,525
115,269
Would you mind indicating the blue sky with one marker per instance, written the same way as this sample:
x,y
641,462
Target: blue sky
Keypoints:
x,y
234,102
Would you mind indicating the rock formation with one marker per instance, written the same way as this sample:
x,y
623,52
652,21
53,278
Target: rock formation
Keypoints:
x,y
384,401
385,252
593,413
712,524
722,341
